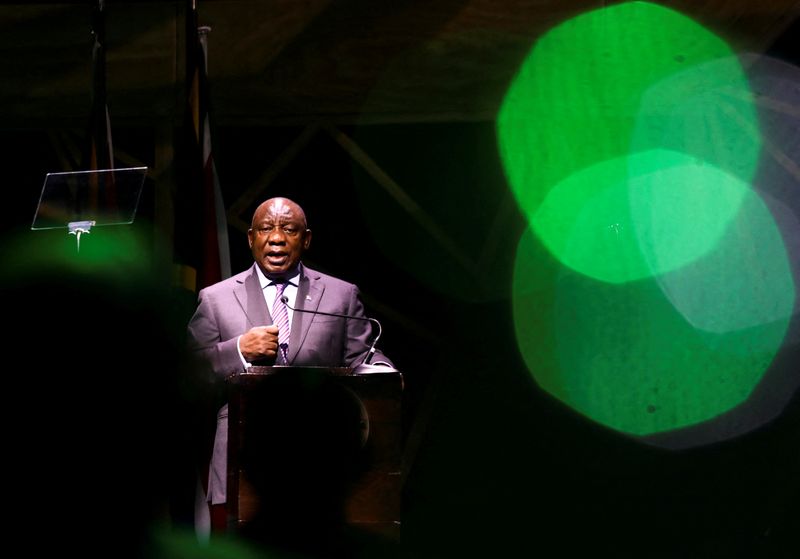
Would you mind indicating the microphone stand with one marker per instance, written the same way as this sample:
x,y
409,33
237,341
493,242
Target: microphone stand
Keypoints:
x,y
365,367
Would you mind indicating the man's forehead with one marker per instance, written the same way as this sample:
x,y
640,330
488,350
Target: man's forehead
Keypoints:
x,y
281,209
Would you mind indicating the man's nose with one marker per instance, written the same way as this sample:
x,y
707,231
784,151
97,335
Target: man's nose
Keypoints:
x,y
276,237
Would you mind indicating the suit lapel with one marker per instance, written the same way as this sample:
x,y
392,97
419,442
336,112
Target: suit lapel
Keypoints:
x,y
251,298
309,295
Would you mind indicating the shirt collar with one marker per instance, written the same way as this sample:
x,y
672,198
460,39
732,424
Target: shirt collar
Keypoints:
x,y
292,279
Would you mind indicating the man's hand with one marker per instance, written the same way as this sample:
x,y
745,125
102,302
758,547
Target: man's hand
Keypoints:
x,y
259,343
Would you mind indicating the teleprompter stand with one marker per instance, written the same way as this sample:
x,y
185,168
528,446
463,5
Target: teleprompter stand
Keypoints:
x,y
79,200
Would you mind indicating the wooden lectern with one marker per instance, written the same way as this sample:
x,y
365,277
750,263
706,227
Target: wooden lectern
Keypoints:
x,y
305,439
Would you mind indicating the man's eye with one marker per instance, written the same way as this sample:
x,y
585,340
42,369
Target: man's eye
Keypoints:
x,y
264,230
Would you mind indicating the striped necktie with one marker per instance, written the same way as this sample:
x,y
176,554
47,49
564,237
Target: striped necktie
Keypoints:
x,y
280,317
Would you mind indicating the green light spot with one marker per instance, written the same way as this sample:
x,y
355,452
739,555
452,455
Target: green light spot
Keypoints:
x,y
653,288
658,354
629,79
745,283
630,218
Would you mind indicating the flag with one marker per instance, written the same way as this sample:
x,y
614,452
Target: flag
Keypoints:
x,y
202,253
99,152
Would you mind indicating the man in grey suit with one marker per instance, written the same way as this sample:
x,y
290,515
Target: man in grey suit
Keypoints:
x,y
233,327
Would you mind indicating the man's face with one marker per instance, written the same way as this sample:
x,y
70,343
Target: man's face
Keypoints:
x,y
278,236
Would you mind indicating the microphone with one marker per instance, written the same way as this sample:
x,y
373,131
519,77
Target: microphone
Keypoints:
x,y
371,353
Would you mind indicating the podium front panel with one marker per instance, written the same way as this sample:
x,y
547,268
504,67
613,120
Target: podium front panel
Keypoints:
x,y
315,437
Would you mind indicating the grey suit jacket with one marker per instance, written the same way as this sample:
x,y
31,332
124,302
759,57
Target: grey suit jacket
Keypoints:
x,y
229,308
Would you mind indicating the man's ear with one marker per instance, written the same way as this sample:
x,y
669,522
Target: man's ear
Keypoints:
x,y
307,239
250,237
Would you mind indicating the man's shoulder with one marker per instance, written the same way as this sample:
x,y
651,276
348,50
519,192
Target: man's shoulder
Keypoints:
x,y
228,283
316,275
